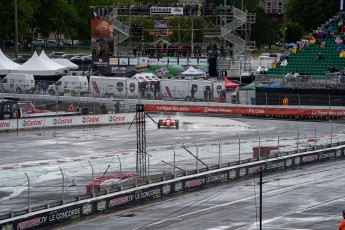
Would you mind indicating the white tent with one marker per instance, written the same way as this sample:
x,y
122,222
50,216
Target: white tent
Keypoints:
x,y
50,62
146,77
192,72
65,62
38,67
6,64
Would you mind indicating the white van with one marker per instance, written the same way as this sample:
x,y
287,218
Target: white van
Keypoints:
x,y
72,85
18,83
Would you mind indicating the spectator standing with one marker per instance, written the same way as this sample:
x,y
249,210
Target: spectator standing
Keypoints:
x,y
44,87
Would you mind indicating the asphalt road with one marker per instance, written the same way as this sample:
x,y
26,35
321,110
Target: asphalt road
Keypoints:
x,y
307,198
43,154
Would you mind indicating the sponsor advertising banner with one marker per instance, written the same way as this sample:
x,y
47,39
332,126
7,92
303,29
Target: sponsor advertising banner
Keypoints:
x,y
184,61
133,61
153,61
48,122
8,124
166,10
173,61
47,219
31,123
246,110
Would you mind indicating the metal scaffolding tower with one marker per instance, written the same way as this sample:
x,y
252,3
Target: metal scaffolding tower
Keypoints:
x,y
141,141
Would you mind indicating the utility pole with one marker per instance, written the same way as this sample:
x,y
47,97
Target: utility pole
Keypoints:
x,y
16,29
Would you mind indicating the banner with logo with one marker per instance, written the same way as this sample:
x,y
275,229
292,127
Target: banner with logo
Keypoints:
x,y
8,124
166,10
48,122
317,113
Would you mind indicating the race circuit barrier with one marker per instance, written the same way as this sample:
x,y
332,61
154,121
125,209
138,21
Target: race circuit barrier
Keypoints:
x,y
250,111
50,122
146,192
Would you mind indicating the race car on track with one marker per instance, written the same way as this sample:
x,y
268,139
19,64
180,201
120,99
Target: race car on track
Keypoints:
x,y
168,123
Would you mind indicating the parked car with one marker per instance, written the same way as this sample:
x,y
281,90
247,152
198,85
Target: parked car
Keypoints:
x,y
52,44
10,43
56,54
73,43
68,56
22,58
38,42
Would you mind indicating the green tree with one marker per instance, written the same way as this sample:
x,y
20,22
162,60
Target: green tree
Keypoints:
x,y
293,32
311,15
265,30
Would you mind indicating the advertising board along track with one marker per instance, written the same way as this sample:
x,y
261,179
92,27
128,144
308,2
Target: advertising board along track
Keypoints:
x,y
312,113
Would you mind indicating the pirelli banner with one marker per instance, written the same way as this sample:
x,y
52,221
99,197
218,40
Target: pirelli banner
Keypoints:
x,y
257,111
149,192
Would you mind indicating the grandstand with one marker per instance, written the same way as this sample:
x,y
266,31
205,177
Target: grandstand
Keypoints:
x,y
302,76
305,60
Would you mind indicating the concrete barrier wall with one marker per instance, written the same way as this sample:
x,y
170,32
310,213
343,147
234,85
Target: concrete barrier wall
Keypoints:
x,y
130,197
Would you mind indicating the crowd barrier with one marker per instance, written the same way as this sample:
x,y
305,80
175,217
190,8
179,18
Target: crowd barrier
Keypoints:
x,y
50,122
147,192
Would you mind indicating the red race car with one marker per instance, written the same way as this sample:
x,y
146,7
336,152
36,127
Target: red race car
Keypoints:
x,y
168,123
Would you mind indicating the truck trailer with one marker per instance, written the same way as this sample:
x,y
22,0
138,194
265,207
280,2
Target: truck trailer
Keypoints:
x,y
191,90
120,87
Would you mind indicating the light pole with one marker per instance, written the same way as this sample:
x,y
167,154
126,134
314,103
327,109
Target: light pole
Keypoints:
x,y
284,38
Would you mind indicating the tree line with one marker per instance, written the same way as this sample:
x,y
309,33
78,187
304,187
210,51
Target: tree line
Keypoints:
x,y
70,19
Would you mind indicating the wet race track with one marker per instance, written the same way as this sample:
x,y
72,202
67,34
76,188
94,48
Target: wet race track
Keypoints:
x,y
45,154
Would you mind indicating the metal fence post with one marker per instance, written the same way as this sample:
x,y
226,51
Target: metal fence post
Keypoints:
x,y
314,135
219,154
29,209
197,157
119,163
259,145
297,137
278,142
299,101
92,178
63,186
174,161
331,132
239,148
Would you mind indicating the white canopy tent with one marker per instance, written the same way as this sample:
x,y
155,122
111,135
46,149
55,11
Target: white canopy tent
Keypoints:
x,y
65,62
192,72
50,62
38,67
6,65
146,77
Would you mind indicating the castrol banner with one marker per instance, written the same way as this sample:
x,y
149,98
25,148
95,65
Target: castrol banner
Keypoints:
x,y
31,123
258,111
49,122
8,125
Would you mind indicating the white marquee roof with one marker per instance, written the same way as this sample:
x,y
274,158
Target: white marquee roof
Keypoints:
x,y
6,64
39,67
